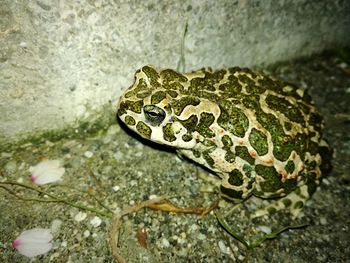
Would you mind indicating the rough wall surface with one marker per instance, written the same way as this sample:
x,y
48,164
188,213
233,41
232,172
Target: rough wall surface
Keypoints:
x,y
62,62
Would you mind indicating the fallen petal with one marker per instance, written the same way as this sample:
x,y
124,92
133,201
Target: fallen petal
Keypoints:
x,y
33,242
47,171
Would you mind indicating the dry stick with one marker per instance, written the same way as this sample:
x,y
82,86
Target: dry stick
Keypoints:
x,y
158,203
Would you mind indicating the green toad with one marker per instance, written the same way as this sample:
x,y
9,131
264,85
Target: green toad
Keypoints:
x,y
261,136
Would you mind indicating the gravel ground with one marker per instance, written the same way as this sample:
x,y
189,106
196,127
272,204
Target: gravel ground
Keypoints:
x,y
111,170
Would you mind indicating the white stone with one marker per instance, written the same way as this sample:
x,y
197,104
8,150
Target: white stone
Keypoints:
x,y
56,225
223,247
165,242
265,229
116,188
86,233
80,216
88,154
96,221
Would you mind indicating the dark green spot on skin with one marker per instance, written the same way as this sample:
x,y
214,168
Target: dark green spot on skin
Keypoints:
x,y
208,143
130,121
271,210
169,75
272,181
242,152
233,70
313,147
268,83
207,82
286,108
287,202
230,157
244,79
158,97
196,153
230,193
290,185
282,144
247,170
258,141
152,75
290,167
298,205
207,157
144,130
311,182
173,86
179,105
252,102
190,123
288,126
134,106
143,94
168,133
233,87
187,137
172,93
226,141
235,178
254,89
233,120
141,90
315,120
168,109
206,119
326,155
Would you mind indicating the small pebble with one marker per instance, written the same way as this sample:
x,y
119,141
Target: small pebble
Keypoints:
x,y
241,258
20,180
265,229
10,167
113,129
23,44
116,188
56,225
88,154
193,227
152,197
118,155
165,242
325,181
201,236
342,65
6,155
86,233
96,221
80,216
223,247
323,221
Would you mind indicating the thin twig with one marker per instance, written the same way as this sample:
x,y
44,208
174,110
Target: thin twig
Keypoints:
x,y
54,199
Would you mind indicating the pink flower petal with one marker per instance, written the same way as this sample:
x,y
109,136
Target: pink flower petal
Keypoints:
x,y
33,242
47,171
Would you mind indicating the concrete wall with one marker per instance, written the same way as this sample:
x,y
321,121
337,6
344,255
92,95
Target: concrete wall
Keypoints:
x,y
63,62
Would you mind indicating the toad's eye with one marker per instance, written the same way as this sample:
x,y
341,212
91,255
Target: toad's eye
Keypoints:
x,y
154,115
